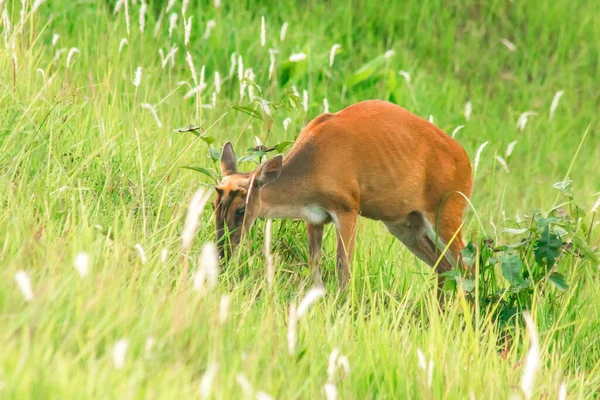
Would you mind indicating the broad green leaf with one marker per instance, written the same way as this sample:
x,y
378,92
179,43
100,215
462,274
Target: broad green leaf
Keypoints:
x,y
207,139
563,185
214,154
558,280
467,284
366,71
250,111
204,171
512,269
283,145
585,249
547,247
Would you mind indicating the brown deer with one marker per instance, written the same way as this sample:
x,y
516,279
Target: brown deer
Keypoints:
x,y
373,159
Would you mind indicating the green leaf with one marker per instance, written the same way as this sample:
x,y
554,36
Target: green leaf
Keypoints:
x,y
467,284
366,71
283,145
547,247
250,111
469,254
585,249
512,269
563,185
207,139
559,281
254,157
214,154
204,171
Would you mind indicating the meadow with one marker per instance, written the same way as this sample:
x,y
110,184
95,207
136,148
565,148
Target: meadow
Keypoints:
x,y
112,116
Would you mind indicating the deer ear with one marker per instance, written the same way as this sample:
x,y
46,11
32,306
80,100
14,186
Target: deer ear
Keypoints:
x,y
228,162
268,171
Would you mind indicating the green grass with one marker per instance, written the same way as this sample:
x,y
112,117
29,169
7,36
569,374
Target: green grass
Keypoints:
x,y
85,168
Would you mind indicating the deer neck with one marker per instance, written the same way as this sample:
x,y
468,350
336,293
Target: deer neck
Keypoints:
x,y
286,196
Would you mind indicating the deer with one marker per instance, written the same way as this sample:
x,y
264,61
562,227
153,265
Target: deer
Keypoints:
x,y
373,159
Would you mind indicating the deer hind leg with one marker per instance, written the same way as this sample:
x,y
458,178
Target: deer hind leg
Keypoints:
x,y
417,233
315,243
345,224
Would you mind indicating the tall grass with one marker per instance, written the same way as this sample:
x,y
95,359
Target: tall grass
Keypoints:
x,y
91,177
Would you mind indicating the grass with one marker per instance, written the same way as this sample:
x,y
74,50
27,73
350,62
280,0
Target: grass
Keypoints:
x,y
86,168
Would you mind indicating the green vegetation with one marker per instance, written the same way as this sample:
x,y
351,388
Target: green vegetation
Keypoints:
x,y
87,167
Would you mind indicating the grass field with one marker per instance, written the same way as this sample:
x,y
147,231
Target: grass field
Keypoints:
x,y
89,163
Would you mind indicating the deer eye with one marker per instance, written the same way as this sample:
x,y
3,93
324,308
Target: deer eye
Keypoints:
x,y
240,211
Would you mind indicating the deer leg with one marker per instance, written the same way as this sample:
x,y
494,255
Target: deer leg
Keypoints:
x,y
345,224
315,241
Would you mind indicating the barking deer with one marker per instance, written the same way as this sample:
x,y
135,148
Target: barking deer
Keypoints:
x,y
373,159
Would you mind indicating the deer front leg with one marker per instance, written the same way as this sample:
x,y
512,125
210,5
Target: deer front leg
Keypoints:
x,y
315,241
345,224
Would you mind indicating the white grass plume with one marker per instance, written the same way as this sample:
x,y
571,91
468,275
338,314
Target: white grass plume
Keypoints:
x,y
142,20
240,68
477,157
164,254
118,6
389,54
169,57
126,3
190,62
210,25
456,130
291,333
137,77
305,100
554,104
119,353
55,38
187,29
153,112
158,25
141,252
207,379
532,360
431,118
184,5
122,44
562,392
286,123
503,163
217,82
172,24
596,206
263,31
217,3
233,64
331,391
244,383
468,110
260,395
269,257
510,148
150,341
297,57
24,283
325,106
283,31
170,5
192,218
523,118
332,52
309,299
208,268
509,45
224,308
272,53
82,264
72,52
